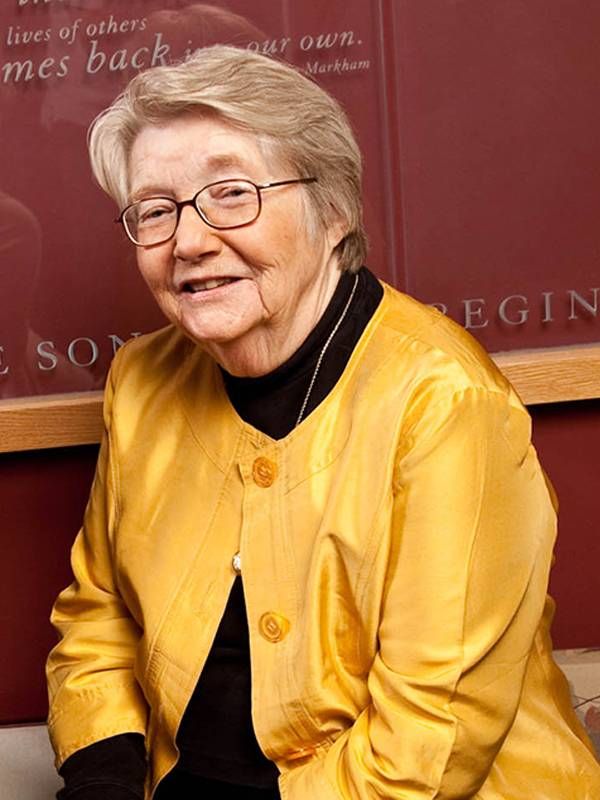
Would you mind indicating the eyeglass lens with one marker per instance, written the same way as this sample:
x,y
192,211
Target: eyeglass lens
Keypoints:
x,y
226,204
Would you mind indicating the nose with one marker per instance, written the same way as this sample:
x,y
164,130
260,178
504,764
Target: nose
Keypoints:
x,y
193,237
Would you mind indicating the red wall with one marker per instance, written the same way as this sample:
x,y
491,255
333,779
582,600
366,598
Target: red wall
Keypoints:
x,y
567,437
42,498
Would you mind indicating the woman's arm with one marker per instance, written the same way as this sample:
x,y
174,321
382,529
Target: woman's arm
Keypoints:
x,y
93,692
473,527
113,769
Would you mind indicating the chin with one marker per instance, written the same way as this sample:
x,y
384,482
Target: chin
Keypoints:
x,y
237,355
216,340
220,328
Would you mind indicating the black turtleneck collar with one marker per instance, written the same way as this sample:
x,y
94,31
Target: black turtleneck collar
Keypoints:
x,y
272,402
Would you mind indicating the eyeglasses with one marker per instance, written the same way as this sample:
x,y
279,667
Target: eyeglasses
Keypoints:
x,y
231,203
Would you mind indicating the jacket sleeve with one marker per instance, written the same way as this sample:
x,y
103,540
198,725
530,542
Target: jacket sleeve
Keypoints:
x,y
472,532
93,692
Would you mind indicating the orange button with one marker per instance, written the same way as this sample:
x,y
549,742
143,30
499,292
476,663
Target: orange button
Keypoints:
x,y
273,627
264,472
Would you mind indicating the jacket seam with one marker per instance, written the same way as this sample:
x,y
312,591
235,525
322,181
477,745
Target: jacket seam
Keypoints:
x,y
99,689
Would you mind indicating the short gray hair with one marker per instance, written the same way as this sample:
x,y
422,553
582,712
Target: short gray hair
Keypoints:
x,y
299,122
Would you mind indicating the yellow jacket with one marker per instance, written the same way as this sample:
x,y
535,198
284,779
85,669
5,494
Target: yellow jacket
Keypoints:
x,y
395,552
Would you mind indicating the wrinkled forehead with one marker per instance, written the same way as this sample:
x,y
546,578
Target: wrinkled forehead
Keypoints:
x,y
197,148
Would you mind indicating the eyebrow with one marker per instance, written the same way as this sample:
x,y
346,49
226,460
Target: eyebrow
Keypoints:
x,y
225,160
214,164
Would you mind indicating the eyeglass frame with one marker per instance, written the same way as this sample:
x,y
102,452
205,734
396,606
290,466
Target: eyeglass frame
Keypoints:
x,y
181,204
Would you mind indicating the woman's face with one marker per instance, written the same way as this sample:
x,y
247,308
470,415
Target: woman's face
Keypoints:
x,y
279,276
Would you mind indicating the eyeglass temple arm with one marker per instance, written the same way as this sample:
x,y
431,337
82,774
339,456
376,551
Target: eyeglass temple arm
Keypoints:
x,y
285,183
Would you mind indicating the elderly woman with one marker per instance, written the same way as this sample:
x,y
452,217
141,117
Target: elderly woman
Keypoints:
x,y
316,552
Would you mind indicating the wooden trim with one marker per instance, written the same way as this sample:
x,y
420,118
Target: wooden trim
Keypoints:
x,y
59,420
547,375
553,374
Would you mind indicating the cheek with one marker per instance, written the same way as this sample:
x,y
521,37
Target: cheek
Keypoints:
x,y
151,267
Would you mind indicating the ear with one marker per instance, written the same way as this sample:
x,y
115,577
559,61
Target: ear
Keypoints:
x,y
337,228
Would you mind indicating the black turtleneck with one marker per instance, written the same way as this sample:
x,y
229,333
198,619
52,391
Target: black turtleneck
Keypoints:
x,y
216,739
272,402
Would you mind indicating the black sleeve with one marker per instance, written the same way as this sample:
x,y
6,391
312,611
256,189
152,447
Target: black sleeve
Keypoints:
x,y
112,769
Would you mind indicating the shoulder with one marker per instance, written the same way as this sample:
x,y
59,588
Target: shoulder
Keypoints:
x,y
147,371
152,353
434,390
420,372
418,344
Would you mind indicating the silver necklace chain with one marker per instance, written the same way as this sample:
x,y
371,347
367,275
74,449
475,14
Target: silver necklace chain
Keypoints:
x,y
236,561
324,350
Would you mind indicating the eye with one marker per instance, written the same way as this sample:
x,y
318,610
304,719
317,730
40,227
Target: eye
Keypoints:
x,y
235,191
154,210
232,192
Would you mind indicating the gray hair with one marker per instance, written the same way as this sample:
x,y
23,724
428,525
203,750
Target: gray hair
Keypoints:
x,y
298,121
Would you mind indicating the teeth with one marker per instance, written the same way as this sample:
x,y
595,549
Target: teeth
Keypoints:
x,y
203,286
214,283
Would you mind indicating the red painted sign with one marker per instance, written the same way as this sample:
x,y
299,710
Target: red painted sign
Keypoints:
x,y
478,122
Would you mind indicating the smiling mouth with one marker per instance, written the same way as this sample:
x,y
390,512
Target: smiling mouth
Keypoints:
x,y
193,287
